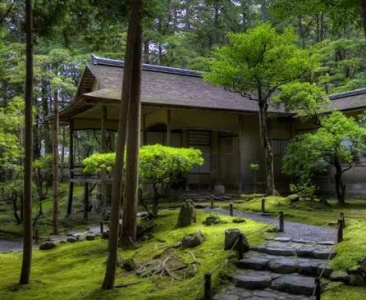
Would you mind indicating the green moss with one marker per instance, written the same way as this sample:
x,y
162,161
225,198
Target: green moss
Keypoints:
x,y
76,271
345,292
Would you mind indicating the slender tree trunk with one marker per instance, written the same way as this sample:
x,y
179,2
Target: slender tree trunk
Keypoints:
x,y
28,151
55,165
339,186
268,154
129,222
363,14
134,21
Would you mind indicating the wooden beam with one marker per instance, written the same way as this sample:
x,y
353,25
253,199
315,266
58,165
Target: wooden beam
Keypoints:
x,y
168,127
71,167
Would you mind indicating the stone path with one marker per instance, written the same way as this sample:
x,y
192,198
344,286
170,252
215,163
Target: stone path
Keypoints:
x,y
281,268
292,230
284,267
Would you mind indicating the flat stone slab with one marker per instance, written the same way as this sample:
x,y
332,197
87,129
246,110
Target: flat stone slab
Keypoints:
x,y
282,239
254,263
265,294
324,253
294,284
283,266
277,251
252,281
225,297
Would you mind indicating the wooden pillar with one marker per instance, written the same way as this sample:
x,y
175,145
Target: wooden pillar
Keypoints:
x,y
144,141
167,141
240,155
103,179
71,167
55,165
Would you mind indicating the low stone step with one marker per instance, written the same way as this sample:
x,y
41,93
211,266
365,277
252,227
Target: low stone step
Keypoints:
x,y
284,265
294,283
237,293
286,247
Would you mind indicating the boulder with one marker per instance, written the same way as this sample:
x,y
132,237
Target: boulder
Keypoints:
x,y
339,276
293,198
48,245
210,220
231,240
356,280
71,239
186,214
90,237
192,240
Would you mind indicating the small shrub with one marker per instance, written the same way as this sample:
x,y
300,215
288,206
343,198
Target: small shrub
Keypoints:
x,y
239,220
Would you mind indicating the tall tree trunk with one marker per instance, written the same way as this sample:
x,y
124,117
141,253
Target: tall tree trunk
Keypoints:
x,y
28,151
129,221
134,21
268,154
339,186
55,165
363,14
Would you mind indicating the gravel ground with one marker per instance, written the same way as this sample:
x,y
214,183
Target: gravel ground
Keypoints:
x,y
8,246
293,230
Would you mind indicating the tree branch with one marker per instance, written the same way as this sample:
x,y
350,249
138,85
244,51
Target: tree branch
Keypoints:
x,y
7,12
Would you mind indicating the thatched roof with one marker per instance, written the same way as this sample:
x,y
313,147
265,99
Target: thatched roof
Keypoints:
x,y
161,87
165,87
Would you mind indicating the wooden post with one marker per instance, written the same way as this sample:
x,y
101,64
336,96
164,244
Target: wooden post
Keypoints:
x,y
36,235
71,166
281,222
212,201
168,139
240,246
317,289
231,209
263,206
340,231
207,286
101,227
103,177
343,219
86,199
55,165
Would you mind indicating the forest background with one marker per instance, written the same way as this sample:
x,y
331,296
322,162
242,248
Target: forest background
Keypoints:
x,y
177,33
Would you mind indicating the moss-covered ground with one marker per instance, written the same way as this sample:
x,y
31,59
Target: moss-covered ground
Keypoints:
x,y
317,212
75,271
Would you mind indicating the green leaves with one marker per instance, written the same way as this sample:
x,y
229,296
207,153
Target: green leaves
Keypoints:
x,y
158,163
260,60
339,137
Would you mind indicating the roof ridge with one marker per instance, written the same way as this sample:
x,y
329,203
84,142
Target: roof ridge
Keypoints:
x,y
96,60
347,94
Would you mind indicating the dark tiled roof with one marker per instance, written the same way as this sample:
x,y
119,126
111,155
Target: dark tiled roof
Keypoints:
x,y
348,101
168,87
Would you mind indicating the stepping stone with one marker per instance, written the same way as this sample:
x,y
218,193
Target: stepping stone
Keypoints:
x,y
282,239
326,243
225,297
254,262
277,251
305,251
323,253
339,276
294,284
309,268
253,282
283,266
326,270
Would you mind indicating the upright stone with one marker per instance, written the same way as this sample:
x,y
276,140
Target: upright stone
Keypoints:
x,y
232,238
186,214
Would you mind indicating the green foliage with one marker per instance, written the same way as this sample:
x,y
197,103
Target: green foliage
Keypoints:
x,y
339,137
305,190
260,60
99,162
160,164
254,167
303,97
